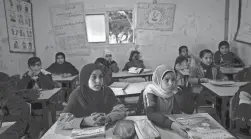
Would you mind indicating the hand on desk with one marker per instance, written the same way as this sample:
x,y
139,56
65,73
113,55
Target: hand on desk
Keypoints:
x,y
180,129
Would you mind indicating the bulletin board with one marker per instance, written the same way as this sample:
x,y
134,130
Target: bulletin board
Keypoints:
x,y
68,24
244,24
18,15
155,16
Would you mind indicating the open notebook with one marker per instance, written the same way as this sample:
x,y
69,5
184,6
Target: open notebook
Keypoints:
x,y
87,133
135,70
200,126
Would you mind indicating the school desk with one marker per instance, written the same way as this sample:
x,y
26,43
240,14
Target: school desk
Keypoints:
x,y
5,126
47,99
126,74
224,93
69,82
54,133
230,71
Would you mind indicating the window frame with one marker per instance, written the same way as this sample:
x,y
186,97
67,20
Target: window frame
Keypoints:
x,y
106,13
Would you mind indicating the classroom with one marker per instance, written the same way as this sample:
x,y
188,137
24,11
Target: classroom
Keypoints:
x,y
125,69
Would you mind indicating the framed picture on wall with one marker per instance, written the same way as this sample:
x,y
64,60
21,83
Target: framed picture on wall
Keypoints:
x,y
18,15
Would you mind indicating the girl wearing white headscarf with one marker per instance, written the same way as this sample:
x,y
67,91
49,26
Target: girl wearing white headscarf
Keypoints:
x,y
163,97
112,65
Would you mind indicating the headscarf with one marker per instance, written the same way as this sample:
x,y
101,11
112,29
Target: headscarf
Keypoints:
x,y
59,54
155,87
85,74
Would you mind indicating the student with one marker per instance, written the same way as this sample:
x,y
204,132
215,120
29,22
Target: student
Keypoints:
x,y
62,67
134,61
192,60
106,71
205,71
242,106
163,97
243,75
14,108
36,77
223,57
181,63
87,103
111,64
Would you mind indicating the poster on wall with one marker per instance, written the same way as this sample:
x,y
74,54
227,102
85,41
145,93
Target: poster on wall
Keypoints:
x,y
19,25
155,16
244,24
68,23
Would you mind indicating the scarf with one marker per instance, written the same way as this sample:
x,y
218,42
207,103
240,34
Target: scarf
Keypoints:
x,y
155,87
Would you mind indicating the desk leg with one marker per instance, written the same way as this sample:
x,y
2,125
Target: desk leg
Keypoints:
x,y
46,117
224,110
150,78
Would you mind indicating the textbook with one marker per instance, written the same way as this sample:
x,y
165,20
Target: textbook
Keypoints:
x,y
122,85
87,133
201,126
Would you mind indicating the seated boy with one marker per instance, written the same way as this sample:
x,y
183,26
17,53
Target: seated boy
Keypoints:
x,y
15,109
36,77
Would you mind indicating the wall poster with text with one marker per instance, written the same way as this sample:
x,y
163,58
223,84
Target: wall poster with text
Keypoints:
x,y
19,25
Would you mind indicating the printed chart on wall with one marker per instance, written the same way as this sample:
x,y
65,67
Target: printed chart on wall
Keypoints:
x,y
244,25
68,22
20,27
155,16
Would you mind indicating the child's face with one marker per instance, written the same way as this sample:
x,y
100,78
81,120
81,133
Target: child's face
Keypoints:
x,y
60,59
108,57
184,52
169,82
207,59
96,80
224,49
36,68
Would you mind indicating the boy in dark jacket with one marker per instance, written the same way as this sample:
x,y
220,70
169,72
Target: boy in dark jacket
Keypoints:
x,y
36,77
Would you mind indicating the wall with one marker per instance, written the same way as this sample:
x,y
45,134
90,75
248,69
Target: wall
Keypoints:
x,y
198,24
243,50
10,63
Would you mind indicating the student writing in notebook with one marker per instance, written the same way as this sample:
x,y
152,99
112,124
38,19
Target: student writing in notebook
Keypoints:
x,y
134,61
92,103
62,67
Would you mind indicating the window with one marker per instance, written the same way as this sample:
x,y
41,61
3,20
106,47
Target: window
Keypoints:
x,y
95,26
117,25
120,27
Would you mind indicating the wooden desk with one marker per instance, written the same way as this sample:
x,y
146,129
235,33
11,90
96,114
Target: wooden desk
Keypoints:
x,y
70,83
126,74
54,133
5,126
224,93
131,89
60,79
49,112
230,70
